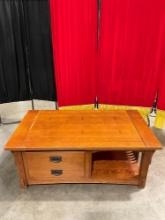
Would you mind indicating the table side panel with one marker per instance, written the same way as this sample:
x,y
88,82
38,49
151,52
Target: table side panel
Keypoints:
x,y
146,134
17,138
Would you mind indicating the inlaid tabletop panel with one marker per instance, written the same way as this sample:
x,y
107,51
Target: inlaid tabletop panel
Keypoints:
x,y
82,130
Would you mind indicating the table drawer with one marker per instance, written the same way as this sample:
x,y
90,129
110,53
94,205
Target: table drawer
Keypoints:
x,y
54,166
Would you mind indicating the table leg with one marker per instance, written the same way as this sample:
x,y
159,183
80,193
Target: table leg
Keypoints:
x,y
88,164
145,162
21,169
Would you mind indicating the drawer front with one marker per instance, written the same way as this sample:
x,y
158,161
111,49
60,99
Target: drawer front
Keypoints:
x,y
56,166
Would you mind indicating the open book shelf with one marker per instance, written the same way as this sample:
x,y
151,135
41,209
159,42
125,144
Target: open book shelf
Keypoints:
x,y
114,167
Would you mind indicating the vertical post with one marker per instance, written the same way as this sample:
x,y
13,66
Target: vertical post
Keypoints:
x,y
98,21
21,169
32,104
144,165
0,121
56,105
153,111
88,164
96,106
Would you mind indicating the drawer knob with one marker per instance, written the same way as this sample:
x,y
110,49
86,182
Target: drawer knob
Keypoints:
x,y
56,172
56,159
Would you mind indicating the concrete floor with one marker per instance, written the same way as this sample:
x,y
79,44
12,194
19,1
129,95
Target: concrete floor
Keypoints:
x,y
78,201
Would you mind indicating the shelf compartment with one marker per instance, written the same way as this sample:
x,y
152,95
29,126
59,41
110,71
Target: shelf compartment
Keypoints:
x,y
113,171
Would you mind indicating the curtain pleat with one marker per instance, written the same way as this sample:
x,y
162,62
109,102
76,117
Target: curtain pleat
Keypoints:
x,y
26,66
13,75
161,93
161,60
37,18
130,51
74,34
161,87
124,66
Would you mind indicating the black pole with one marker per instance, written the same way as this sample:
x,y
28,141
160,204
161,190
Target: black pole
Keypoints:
x,y
96,103
27,50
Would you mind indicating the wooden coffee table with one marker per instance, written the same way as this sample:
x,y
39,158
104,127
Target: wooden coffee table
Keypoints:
x,y
92,146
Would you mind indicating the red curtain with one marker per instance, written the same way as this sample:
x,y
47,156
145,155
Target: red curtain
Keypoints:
x,y
161,99
161,88
74,36
161,91
130,50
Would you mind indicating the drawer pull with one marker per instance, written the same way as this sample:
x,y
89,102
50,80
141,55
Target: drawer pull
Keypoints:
x,y
56,172
56,159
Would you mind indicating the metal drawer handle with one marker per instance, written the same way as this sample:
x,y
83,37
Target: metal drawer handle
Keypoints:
x,y
56,159
56,172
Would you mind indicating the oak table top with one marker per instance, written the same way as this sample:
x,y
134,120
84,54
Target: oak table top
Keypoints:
x,y
83,130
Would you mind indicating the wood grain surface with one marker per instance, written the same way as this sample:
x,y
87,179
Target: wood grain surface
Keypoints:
x,y
83,130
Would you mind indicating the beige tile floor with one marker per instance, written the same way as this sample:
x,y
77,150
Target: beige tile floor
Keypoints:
x,y
78,201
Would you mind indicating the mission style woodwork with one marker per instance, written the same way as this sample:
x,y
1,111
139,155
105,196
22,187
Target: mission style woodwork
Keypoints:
x,y
89,146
